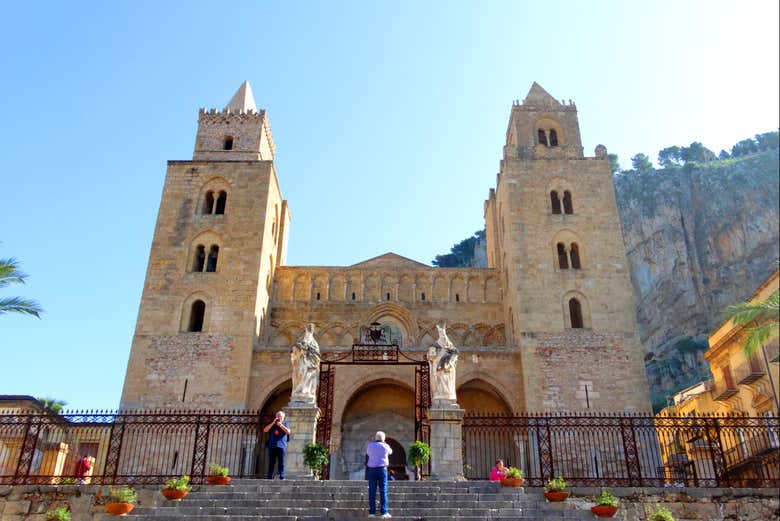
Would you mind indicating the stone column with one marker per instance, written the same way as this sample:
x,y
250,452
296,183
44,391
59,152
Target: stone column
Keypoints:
x,y
302,419
446,441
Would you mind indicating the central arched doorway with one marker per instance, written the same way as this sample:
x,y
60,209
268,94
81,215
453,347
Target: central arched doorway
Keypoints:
x,y
382,405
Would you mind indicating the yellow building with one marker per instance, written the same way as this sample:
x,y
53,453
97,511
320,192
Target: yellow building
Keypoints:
x,y
743,390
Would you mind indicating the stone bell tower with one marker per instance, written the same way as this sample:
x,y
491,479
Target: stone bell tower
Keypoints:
x,y
552,227
221,232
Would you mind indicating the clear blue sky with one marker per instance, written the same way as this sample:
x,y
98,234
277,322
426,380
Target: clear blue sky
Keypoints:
x,y
389,120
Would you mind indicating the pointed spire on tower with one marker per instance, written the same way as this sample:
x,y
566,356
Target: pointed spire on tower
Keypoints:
x,y
242,99
538,96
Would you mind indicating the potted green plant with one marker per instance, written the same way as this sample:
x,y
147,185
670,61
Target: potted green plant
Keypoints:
x,y
176,489
218,475
120,500
556,490
419,454
315,457
606,504
513,478
660,514
58,514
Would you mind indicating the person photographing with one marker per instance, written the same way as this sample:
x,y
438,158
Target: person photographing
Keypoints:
x,y
278,435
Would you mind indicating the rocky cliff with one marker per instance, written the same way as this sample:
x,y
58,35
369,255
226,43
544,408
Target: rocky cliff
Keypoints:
x,y
698,238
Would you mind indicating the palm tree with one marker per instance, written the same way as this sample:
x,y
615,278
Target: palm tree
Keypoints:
x,y
765,314
10,274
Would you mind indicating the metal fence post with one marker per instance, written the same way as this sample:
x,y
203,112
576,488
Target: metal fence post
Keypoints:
x,y
630,451
201,448
27,449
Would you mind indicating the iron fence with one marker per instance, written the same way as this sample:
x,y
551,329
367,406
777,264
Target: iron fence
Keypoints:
x,y
147,447
627,450
128,448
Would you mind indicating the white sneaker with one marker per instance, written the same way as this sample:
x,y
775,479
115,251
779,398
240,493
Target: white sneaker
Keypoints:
x,y
385,516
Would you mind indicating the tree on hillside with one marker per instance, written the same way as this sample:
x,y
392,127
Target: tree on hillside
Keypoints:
x,y
461,255
744,147
641,163
10,274
670,157
768,140
52,404
614,166
724,155
764,315
697,153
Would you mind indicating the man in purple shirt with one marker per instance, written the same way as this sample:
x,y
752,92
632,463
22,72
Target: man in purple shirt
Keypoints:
x,y
378,452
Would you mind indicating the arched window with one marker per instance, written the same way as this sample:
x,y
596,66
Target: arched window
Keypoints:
x,y
553,138
568,207
199,259
318,295
353,295
457,297
422,296
211,262
197,313
563,261
542,137
228,143
387,296
575,314
221,202
208,203
574,252
556,202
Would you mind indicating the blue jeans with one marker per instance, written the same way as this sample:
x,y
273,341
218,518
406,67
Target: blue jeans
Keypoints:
x,y
377,477
275,455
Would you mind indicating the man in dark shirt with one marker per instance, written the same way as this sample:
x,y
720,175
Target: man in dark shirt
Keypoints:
x,y
278,434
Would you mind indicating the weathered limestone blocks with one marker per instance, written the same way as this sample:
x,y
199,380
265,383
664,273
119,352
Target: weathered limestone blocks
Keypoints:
x,y
446,442
302,420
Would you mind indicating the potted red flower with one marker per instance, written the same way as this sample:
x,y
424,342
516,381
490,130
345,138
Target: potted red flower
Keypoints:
x,y
606,504
513,478
218,475
120,501
556,490
176,489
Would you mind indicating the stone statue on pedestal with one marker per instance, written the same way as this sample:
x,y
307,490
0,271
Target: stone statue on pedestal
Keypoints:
x,y
305,358
442,359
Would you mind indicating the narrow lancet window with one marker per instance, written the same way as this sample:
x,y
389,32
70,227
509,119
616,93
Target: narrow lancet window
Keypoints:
x,y
575,314
556,202
568,207
197,313
563,261
211,263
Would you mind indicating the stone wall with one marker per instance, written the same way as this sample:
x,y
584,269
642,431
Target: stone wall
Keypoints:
x,y
703,504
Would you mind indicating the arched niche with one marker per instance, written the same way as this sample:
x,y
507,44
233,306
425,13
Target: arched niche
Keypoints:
x,y
478,396
380,405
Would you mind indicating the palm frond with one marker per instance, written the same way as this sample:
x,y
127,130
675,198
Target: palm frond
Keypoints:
x,y
20,305
759,336
9,272
746,312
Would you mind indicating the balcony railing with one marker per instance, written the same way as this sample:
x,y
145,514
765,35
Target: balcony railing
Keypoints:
x,y
751,370
723,390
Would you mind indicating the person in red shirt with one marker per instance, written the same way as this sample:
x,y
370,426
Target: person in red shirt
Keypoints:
x,y
499,471
83,466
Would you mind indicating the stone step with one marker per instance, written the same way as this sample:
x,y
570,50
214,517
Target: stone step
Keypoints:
x,y
347,500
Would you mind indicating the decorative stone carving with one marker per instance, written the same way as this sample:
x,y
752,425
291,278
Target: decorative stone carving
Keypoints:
x,y
442,358
305,358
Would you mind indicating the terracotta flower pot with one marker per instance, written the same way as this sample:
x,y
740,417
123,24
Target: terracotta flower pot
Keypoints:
x,y
558,495
173,494
219,480
119,509
603,510
512,482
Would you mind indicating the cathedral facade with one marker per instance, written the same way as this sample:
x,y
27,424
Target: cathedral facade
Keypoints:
x,y
548,326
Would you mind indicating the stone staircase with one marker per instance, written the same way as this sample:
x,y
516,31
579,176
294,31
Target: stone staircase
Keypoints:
x,y
246,500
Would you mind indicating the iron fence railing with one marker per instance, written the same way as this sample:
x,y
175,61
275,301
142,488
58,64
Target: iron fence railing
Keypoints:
x,y
147,447
627,450
128,447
